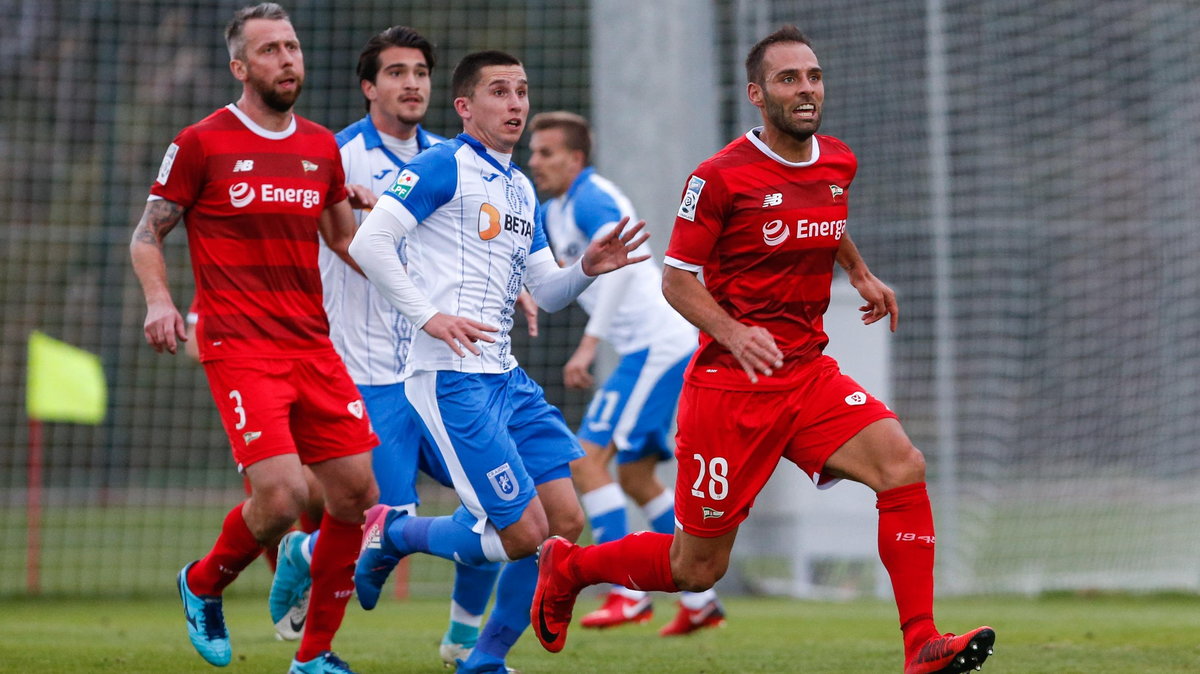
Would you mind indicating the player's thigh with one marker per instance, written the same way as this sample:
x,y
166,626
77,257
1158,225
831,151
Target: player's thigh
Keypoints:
x,y
254,399
649,412
610,399
880,456
835,411
728,444
545,442
329,419
465,417
396,459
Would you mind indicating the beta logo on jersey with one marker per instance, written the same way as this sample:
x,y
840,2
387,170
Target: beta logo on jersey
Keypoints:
x,y
691,198
504,482
404,184
491,223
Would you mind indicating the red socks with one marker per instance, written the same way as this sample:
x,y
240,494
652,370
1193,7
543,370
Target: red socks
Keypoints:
x,y
640,561
906,543
333,583
235,548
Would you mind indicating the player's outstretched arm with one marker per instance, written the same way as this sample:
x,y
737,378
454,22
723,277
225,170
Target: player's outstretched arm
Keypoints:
x,y
752,345
880,299
614,250
164,326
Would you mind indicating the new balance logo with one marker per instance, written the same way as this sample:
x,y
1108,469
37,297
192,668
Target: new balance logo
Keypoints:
x,y
243,165
772,200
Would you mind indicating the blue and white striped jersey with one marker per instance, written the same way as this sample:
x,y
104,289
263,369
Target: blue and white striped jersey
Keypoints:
x,y
371,336
626,308
477,223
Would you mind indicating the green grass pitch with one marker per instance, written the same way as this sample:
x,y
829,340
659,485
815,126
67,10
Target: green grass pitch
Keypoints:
x,y
1062,634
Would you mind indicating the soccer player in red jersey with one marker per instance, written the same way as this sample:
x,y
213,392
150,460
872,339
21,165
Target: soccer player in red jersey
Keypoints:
x,y
256,185
764,219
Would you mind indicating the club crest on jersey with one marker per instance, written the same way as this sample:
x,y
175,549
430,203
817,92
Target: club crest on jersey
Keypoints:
x,y
712,513
250,436
504,482
355,408
404,184
691,198
307,165
836,191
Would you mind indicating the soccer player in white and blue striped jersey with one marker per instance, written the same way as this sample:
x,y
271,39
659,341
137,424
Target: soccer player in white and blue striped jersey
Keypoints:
x,y
475,238
371,335
632,412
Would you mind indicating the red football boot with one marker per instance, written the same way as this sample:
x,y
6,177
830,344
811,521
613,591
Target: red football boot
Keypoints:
x,y
687,620
950,654
619,610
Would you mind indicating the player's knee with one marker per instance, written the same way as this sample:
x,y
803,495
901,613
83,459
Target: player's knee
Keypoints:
x,y
569,525
908,467
352,500
523,538
699,576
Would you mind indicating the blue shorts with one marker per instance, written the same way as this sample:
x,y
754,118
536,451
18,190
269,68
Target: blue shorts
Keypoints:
x,y
402,448
497,437
635,407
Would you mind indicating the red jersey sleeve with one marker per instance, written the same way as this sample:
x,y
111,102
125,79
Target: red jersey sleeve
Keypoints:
x,y
700,219
181,174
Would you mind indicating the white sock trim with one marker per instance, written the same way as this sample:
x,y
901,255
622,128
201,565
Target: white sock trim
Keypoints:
x,y
493,547
603,500
636,595
697,600
659,505
461,615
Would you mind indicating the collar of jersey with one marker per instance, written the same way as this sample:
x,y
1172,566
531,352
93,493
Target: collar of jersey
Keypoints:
x,y
579,180
373,141
753,136
482,152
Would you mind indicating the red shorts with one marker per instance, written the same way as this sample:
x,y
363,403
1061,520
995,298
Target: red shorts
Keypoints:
x,y
305,406
730,442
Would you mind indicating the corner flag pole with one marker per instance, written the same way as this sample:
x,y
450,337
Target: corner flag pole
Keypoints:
x,y
33,510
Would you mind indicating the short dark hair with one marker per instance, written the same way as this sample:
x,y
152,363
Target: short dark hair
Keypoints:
x,y
234,40
396,36
754,60
466,73
577,133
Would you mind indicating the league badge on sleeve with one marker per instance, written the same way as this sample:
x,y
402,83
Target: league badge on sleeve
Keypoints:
x,y
691,197
164,169
404,184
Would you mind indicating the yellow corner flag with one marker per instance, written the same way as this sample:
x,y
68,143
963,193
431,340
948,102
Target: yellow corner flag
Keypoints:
x,y
64,383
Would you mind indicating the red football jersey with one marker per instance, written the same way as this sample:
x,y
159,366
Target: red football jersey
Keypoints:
x,y
253,198
765,232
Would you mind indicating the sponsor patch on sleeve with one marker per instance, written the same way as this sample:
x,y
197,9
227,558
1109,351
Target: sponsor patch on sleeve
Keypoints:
x,y
164,169
691,198
404,184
